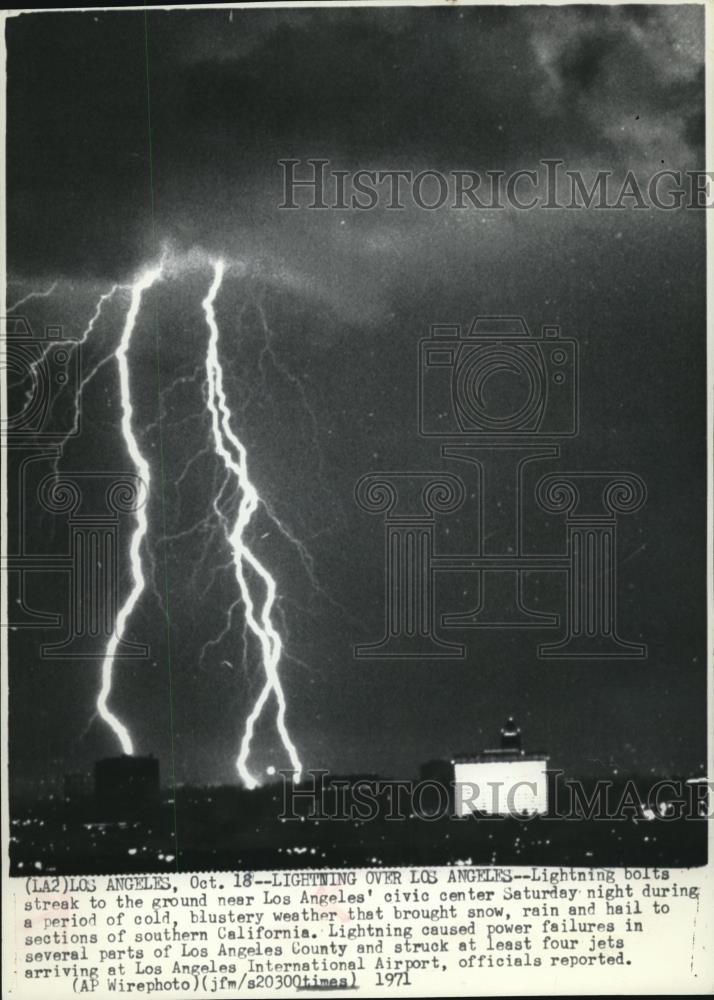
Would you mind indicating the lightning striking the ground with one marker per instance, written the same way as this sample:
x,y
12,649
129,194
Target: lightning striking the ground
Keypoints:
x,y
233,455
233,504
143,282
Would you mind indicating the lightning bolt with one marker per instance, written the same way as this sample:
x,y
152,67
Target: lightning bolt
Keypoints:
x,y
268,351
87,378
71,346
32,295
162,420
233,455
235,499
142,283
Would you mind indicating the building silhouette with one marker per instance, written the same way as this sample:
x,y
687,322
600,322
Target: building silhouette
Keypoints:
x,y
126,787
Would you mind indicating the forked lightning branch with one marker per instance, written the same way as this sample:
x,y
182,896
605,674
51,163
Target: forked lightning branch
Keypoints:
x,y
257,590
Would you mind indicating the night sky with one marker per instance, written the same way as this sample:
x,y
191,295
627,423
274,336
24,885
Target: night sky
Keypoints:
x,y
128,132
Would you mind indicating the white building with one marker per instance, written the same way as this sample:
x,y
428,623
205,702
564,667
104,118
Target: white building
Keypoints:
x,y
502,782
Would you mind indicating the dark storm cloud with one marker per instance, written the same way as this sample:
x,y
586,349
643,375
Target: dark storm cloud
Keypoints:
x,y
583,65
440,82
231,92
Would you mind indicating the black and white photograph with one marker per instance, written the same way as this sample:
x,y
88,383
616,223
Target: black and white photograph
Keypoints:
x,y
355,438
